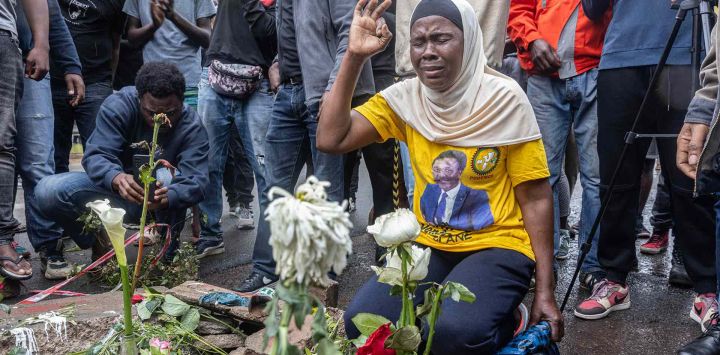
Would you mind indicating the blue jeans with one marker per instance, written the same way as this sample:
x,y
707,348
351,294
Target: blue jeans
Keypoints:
x,y
62,198
34,143
11,89
83,115
561,105
251,118
290,138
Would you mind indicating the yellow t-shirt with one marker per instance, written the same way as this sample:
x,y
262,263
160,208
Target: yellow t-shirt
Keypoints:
x,y
464,197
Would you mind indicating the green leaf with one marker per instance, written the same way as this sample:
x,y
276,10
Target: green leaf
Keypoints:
x,y
174,306
458,292
367,323
427,304
18,351
396,290
293,350
142,310
327,347
190,320
319,326
360,341
301,310
404,339
272,325
146,174
390,276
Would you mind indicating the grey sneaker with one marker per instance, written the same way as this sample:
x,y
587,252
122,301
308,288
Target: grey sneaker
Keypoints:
x,y
55,267
564,249
245,217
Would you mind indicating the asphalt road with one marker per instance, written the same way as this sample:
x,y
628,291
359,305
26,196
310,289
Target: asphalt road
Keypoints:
x,y
657,322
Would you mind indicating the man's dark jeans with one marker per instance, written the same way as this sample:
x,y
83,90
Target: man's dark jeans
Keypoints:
x,y
620,94
662,218
290,138
11,87
83,115
238,178
379,162
63,197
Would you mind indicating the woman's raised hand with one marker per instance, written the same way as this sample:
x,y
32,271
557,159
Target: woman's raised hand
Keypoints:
x,y
369,34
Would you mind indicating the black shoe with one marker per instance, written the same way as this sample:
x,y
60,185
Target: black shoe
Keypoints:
x,y
589,279
678,275
706,344
255,282
206,248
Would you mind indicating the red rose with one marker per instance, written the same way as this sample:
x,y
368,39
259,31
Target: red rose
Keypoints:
x,y
375,345
137,299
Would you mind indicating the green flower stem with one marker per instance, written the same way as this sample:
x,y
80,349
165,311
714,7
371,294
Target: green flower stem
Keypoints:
x,y
432,319
143,216
407,314
280,344
127,304
404,311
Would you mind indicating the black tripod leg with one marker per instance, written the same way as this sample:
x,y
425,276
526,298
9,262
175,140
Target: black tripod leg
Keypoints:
x,y
585,248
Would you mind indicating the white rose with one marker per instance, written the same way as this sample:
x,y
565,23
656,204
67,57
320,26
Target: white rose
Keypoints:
x,y
392,272
112,219
395,228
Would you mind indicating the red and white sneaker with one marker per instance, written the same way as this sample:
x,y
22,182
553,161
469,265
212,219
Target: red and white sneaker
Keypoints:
x,y
607,297
703,309
657,243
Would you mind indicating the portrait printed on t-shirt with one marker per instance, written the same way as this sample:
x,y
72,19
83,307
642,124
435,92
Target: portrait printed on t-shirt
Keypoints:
x,y
448,202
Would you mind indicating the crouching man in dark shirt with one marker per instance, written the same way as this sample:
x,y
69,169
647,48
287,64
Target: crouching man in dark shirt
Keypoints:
x,y
126,117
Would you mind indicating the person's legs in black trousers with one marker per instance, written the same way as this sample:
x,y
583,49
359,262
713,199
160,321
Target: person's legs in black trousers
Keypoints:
x,y
694,220
379,163
238,181
620,94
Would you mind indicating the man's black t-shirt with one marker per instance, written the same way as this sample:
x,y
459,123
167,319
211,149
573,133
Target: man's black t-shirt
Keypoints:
x,y
287,41
244,33
92,24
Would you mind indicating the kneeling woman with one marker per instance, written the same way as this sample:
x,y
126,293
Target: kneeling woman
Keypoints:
x,y
481,178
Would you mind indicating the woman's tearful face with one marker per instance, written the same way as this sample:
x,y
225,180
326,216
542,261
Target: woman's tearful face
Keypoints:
x,y
436,51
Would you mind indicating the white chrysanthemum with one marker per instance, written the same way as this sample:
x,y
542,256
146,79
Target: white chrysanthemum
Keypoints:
x,y
395,228
309,235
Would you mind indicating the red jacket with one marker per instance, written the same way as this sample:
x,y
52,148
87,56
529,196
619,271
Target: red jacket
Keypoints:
x,y
533,19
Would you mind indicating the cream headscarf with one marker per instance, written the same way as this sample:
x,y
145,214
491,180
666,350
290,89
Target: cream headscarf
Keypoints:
x,y
482,107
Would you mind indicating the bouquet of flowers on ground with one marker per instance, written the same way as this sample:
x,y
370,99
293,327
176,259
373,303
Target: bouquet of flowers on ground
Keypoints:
x,y
405,267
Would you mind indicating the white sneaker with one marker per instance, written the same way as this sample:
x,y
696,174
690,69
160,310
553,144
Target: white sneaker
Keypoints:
x,y
703,309
245,217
